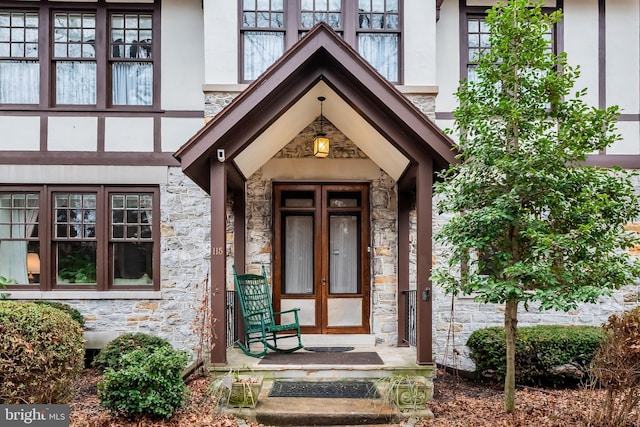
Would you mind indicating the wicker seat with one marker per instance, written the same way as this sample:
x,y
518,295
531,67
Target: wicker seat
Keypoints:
x,y
260,326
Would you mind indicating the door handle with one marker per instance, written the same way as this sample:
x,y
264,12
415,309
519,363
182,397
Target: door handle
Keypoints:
x,y
324,282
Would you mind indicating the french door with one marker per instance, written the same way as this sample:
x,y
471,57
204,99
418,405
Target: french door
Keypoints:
x,y
321,259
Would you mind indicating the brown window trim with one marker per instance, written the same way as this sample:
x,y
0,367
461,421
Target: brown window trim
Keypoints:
x,y
349,31
104,266
467,12
103,11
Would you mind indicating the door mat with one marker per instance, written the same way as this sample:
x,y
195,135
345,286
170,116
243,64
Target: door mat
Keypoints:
x,y
325,389
317,358
329,349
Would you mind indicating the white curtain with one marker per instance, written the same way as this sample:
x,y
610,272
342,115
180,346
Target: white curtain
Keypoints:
x,y
299,255
261,49
76,83
16,223
19,82
132,83
381,51
343,253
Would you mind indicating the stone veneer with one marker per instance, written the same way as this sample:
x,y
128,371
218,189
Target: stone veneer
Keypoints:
x,y
383,205
185,260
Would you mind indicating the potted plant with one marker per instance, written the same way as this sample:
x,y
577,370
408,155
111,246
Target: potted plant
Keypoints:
x,y
236,390
406,392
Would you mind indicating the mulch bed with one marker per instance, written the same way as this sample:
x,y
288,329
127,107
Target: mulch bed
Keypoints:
x,y
458,402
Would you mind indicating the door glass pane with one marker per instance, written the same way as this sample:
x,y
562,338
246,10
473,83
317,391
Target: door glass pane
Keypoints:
x,y
298,242
343,254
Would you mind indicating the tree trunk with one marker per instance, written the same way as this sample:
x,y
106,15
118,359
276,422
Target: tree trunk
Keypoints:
x,y
510,328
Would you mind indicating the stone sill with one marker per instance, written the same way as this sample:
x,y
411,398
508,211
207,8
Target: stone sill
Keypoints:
x,y
83,295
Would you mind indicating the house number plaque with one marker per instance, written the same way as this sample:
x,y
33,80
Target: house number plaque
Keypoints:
x,y
218,251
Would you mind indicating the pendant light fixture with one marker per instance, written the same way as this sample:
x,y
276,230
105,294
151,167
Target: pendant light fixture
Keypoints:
x,y
321,142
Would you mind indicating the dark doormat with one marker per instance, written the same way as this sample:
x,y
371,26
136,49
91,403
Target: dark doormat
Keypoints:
x,y
315,358
325,389
329,349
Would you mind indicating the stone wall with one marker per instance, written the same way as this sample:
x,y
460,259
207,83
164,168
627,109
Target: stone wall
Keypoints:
x,y
185,259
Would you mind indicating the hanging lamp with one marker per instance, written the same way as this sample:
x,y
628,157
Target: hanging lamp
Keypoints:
x,y
321,142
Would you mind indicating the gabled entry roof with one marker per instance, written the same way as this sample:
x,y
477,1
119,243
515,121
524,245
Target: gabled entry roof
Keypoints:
x,y
279,104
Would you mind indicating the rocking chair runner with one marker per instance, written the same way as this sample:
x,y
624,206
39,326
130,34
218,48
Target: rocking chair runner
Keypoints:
x,y
259,318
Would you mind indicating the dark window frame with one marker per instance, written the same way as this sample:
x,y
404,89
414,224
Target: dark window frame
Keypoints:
x,y
103,12
292,29
104,263
478,12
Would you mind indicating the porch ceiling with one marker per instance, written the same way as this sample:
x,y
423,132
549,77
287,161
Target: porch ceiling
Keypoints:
x,y
340,114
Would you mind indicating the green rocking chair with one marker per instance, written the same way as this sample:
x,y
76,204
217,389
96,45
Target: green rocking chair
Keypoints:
x,y
259,318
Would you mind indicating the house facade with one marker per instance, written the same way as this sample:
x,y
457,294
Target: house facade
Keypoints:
x,y
148,146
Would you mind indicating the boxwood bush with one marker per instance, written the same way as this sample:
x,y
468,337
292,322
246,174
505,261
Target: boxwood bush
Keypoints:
x,y
545,355
74,313
145,384
41,353
110,355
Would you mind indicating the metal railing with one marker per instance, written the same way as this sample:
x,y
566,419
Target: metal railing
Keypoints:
x,y
410,308
232,323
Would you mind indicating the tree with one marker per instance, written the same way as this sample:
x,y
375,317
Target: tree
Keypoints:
x,y
535,224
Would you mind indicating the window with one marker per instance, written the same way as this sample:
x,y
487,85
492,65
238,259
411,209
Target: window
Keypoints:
x,y
94,55
476,43
97,238
19,63
379,35
262,35
269,27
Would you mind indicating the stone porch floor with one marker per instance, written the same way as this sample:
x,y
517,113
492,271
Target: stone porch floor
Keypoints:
x,y
326,411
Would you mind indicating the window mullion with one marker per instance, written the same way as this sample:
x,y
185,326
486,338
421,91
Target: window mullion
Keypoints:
x,y
44,56
101,58
102,235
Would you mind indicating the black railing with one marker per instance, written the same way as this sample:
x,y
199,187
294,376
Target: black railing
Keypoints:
x,y
232,323
410,309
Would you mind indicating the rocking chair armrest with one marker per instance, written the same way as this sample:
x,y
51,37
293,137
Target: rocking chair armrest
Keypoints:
x,y
286,311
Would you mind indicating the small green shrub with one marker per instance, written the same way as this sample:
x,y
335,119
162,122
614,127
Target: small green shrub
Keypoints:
x,y
109,356
146,384
616,368
545,355
41,353
74,313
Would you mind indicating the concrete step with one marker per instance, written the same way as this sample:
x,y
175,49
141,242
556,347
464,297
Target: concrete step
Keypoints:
x,y
299,411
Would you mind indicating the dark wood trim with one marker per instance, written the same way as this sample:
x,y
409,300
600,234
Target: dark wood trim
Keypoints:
x,y
625,161
101,128
87,158
627,117
44,135
218,274
157,134
424,251
70,111
404,209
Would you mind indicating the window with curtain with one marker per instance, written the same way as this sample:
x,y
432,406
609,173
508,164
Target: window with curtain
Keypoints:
x,y
373,27
379,35
95,238
19,63
74,56
19,240
131,59
263,35
96,55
